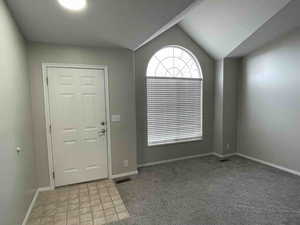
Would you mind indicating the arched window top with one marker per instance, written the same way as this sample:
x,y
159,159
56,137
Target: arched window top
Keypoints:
x,y
174,61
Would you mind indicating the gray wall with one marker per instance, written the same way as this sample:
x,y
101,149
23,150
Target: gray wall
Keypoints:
x,y
174,36
225,123
269,103
218,113
122,99
232,72
17,171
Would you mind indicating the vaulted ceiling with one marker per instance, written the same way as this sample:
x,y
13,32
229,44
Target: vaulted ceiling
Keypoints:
x,y
121,23
222,26
285,21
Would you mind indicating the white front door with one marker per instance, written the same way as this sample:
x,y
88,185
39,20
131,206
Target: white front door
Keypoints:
x,y
78,124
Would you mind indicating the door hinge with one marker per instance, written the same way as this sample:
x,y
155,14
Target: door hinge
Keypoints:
x,y
47,81
50,128
53,175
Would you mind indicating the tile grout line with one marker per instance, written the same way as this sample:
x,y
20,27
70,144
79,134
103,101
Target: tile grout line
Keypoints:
x,y
55,210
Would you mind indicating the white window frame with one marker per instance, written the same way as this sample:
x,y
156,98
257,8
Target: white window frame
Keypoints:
x,y
201,102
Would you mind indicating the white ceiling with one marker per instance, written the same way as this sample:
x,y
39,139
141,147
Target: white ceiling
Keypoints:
x,y
285,21
220,26
224,28
107,23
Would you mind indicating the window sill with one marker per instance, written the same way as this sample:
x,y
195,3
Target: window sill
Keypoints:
x,y
176,142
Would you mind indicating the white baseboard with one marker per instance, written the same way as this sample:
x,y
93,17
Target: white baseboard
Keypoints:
x,y
124,174
173,160
30,207
223,155
41,189
269,164
36,194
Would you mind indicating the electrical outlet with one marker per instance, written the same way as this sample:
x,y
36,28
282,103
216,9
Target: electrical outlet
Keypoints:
x,y
125,163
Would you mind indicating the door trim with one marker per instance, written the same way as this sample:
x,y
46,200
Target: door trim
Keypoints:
x,y
45,67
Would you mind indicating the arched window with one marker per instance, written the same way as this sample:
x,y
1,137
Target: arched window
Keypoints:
x,y
174,97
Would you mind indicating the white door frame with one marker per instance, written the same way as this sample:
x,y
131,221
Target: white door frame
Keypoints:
x,y
45,67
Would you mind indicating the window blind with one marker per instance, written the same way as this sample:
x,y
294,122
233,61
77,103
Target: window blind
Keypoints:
x,y
174,110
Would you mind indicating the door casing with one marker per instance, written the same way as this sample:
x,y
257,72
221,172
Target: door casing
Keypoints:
x,y
45,67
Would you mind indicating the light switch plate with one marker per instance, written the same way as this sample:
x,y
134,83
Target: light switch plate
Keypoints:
x,y
115,118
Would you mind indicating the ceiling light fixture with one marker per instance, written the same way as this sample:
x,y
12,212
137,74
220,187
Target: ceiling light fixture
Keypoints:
x,y
74,5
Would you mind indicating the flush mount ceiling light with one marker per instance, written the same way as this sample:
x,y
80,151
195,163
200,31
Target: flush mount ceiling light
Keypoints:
x,y
74,5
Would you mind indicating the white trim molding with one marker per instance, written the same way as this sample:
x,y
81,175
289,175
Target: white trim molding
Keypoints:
x,y
135,172
41,189
223,155
173,160
45,67
258,161
36,194
30,207
269,164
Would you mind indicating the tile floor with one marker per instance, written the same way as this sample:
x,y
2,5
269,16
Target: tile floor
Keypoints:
x,y
94,203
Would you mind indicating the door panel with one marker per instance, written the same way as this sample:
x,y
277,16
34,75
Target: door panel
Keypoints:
x,y
77,109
